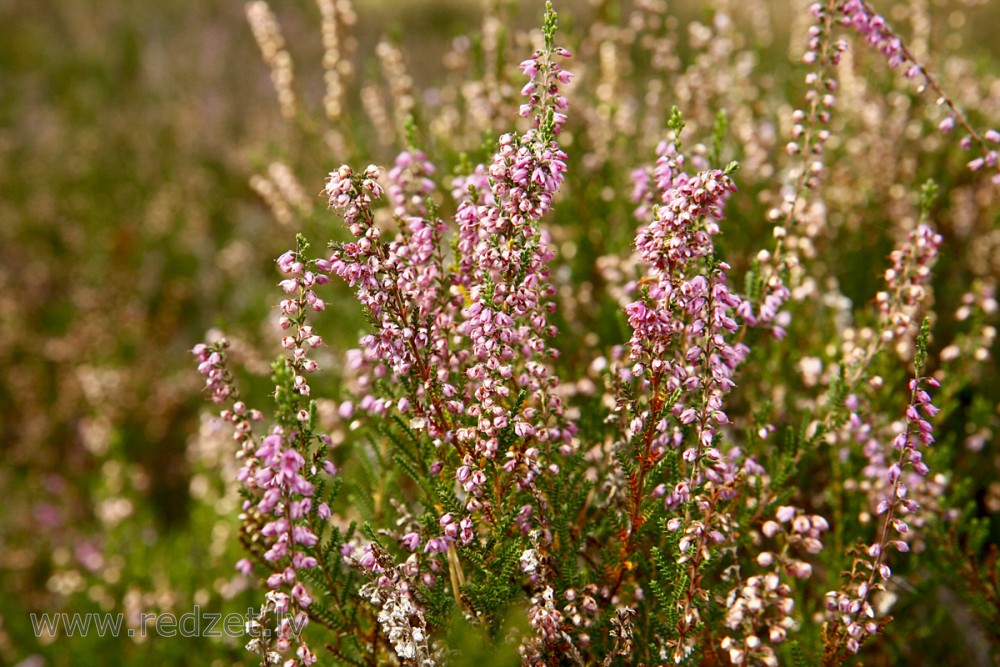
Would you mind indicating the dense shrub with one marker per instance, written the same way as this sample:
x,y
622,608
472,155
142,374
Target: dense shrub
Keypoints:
x,y
637,383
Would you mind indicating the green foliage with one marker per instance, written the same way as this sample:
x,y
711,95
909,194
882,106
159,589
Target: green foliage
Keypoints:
x,y
719,135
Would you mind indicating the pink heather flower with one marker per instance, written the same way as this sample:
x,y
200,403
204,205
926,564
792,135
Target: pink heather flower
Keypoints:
x,y
875,30
286,261
686,296
301,595
277,551
910,272
436,545
785,513
211,364
368,561
302,535
411,541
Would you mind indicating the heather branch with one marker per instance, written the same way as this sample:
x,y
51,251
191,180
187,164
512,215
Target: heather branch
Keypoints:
x,y
853,615
860,15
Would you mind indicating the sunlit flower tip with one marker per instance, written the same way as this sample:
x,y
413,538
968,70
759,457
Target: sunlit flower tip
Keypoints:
x,y
244,567
785,513
992,136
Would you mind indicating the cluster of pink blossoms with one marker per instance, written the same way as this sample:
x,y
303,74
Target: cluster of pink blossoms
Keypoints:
x,y
273,645
303,277
859,15
279,479
907,281
499,299
378,270
466,340
680,326
809,135
684,325
400,617
504,272
849,609
210,365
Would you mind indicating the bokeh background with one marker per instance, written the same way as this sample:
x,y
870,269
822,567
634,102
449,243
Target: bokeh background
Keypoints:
x,y
130,133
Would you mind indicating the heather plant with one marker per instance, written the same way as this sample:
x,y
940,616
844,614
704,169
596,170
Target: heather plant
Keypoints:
x,y
151,181
692,438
